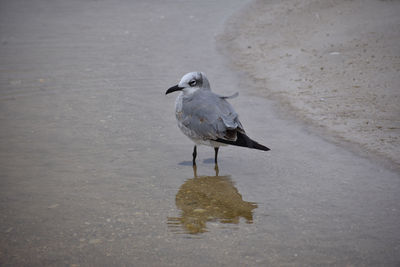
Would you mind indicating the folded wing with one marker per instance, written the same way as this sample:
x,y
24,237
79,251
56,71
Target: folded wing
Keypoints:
x,y
210,116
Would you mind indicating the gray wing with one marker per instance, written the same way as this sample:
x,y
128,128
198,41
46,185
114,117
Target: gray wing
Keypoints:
x,y
210,116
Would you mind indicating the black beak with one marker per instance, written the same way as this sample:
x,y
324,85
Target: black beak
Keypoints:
x,y
173,89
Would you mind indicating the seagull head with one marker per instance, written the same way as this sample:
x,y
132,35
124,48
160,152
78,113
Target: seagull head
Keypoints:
x,y
190,83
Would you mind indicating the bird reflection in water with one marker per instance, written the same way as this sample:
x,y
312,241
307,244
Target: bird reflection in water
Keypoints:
x,y
205,199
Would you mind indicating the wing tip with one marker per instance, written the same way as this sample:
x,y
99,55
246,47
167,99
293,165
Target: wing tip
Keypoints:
x,y
244,141
261,147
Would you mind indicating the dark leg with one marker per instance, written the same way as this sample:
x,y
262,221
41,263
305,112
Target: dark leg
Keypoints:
x,y
194,155
216,155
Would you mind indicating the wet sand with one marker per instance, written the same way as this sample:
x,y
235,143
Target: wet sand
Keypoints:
x,y
93,166
334,64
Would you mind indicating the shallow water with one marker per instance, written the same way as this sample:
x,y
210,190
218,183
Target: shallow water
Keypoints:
x,y
91,156
204,199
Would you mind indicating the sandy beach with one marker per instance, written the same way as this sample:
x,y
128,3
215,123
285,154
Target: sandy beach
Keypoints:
x,y
334,64
95,172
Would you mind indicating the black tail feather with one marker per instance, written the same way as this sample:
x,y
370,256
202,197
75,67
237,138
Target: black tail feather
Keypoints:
x,y
244,141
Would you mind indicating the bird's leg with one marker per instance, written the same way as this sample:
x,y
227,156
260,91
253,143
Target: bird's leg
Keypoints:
x,y
216,155
194,155
216,161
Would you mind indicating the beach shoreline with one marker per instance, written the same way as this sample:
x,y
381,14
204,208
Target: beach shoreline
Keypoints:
x,y
334,66
95,171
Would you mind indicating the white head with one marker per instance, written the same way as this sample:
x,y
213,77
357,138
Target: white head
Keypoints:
x,y
190,83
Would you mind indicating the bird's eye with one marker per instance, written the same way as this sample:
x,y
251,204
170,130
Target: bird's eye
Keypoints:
x,y
192,83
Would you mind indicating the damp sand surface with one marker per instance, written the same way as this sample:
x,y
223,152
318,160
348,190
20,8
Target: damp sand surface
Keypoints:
x,y
334,64
94,171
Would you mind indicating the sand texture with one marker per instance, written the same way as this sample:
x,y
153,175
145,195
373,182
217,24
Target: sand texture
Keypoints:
x,y
334,63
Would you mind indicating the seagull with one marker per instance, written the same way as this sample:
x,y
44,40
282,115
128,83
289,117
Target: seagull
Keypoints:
x,y
207,118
